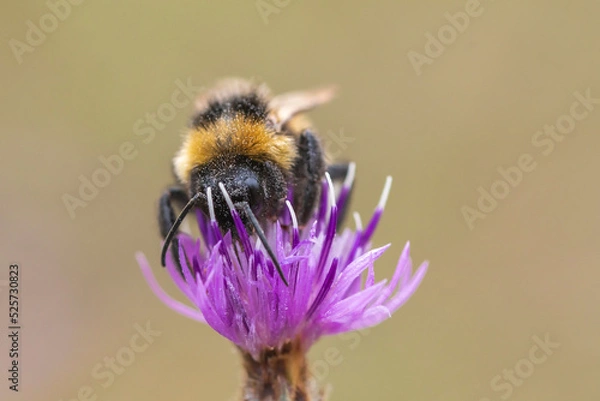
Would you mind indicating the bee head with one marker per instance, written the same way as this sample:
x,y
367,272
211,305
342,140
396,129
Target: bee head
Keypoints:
x,y
259,184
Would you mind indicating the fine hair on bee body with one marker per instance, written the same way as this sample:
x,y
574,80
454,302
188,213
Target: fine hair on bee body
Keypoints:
x,y
247,149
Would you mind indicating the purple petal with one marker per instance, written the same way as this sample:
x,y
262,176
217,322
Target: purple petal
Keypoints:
x,y
162,295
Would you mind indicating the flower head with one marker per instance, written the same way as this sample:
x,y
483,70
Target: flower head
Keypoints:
x,y
234,287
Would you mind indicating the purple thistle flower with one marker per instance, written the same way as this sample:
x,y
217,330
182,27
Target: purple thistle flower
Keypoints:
x,y
234,287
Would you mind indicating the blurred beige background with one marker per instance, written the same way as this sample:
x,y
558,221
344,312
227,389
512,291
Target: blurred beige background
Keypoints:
x,y
529,269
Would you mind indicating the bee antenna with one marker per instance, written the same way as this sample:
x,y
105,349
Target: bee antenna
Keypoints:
x,y
263,240
175,227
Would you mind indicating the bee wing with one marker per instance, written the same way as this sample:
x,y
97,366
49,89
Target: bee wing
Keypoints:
x,y
285,106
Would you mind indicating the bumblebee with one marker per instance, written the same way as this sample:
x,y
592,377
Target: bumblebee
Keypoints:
x,y
255,147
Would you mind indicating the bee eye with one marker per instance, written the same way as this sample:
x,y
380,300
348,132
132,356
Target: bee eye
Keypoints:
x,y
253,190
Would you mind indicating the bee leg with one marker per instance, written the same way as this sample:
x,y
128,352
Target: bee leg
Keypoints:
x,y
338,173
167,217
309,169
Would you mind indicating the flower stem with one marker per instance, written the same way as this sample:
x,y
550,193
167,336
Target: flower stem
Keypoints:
x,y
280,375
